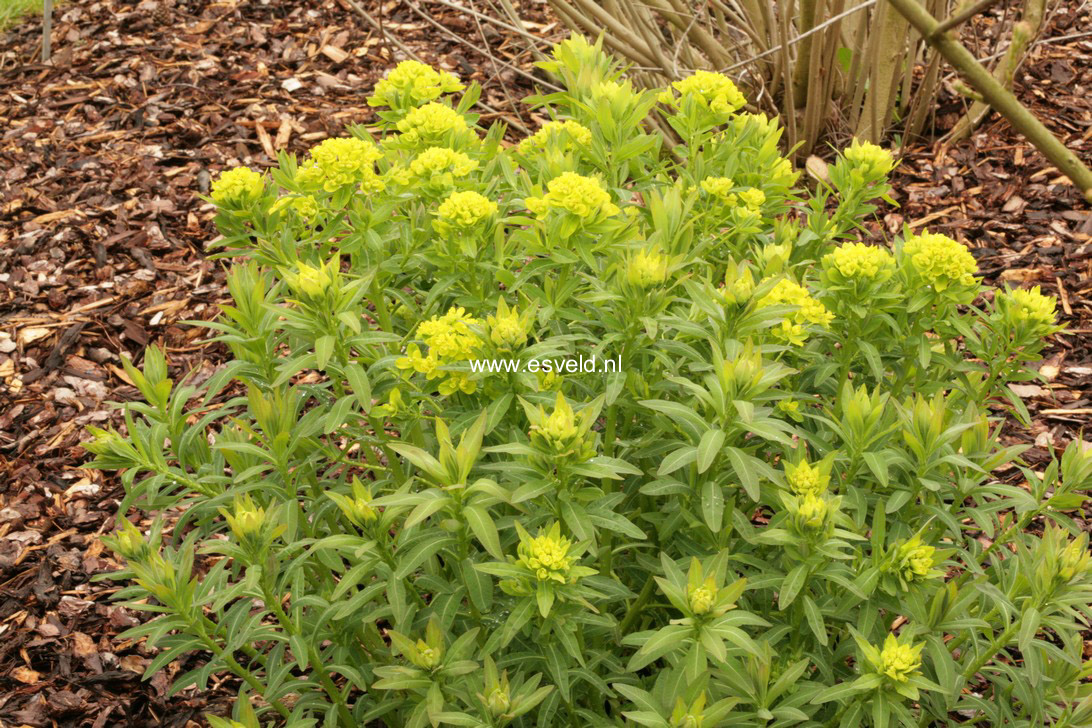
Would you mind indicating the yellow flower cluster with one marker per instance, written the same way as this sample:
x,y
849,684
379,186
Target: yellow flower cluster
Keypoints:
x,y
722,188
430,124
718,186
857,260
715,90
702,596
435,167
914,560
808,311
868,161
812,511
547,555
245,519
306,206
647,268
805,478
899,661
940,261
566,134
450,339
560,434
237,187
412,83
508,330
340,162
311,282
465,209
1030,307
576,194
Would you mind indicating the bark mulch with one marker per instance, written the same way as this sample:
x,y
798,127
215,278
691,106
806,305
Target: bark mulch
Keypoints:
x,y
103,155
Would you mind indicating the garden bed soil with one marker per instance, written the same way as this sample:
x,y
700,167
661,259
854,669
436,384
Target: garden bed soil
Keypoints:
x,y
104,155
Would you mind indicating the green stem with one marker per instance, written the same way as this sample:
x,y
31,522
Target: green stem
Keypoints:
x,y
313,655
638,604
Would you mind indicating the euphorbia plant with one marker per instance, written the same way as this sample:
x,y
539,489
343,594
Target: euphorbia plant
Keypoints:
x,y
779,510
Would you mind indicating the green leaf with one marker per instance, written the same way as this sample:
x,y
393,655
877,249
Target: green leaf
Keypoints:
x,y
710,445
712,505
791,586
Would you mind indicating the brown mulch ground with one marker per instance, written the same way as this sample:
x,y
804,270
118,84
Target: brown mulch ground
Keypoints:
x,y
102,156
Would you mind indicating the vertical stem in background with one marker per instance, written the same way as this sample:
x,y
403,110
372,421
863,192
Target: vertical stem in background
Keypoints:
x,y
998,96
802,72
886,55
1023,32
47,30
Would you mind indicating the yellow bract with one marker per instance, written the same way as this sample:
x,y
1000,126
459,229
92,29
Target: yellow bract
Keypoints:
x,y
430,123
869,160
899,661
450,340
805,479
413,83
1030,306
809,311
716,90
647,268
856,260
940,261
567,134
465,209
340,162
238,186
570,192
547,555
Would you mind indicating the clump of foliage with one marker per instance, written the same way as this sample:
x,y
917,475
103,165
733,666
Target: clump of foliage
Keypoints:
x,y
779,511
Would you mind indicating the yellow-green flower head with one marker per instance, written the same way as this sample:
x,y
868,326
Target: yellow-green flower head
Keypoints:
x,y
805,478
508,330
563,134
498,701
309,281
716,90
868,161
412,83
857,260
739,284
576,194
1074,559
450,339
688,716
647,268
808,311
914,560
791,407
358,507
237,187
465,209
549,381
753,198
812,512
899,661
440,165
703,596
783,173
340,162
428,657
431,123
1029,307
129,542
246,520
547,555
940,261
718,186
560,426
306,206
766,126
